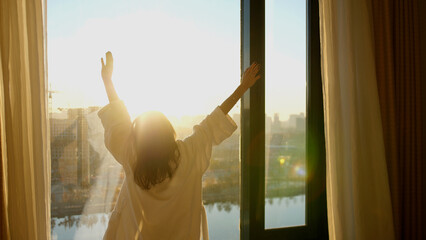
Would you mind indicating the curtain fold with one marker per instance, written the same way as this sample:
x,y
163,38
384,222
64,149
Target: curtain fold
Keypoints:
x,y
24,120
397,51
4,224
358,196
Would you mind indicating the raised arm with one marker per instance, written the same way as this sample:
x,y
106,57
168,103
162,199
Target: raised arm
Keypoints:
x,y
218,126
107,77
249,78
115,119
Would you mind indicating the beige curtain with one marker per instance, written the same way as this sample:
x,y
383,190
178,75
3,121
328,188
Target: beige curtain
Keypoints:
x,y
358,197
24,122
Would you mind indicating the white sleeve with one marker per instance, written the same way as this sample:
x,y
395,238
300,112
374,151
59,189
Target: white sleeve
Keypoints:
x,y
118,127
215,128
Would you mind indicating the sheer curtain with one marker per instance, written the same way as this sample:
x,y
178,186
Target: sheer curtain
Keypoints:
x,y
358,197
25,157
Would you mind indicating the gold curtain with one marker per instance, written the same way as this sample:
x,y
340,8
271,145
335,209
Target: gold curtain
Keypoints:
x,y
25,161
358,195
4,233
396,32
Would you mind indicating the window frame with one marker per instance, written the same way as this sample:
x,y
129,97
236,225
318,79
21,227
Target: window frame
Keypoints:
x,y
252,204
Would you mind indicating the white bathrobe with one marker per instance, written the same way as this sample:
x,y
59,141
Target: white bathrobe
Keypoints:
x,y
172,209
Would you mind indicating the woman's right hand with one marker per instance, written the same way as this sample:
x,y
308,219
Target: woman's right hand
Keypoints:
x,y
250,76
108,67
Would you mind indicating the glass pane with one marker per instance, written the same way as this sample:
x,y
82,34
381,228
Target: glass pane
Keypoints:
x,y
285,169
178,57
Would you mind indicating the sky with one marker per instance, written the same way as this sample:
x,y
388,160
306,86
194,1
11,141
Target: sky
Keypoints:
x,y
178,57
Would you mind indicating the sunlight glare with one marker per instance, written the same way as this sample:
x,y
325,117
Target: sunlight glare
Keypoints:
x,y
164,66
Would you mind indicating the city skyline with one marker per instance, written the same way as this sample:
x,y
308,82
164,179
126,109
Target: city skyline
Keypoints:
x,y
191,120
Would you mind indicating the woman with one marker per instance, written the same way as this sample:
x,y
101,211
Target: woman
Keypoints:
x,y
161,194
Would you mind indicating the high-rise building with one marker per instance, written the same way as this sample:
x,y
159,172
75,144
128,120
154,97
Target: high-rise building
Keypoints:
x,y
70,149
296,121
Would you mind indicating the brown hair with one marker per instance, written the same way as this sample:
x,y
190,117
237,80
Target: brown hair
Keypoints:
x,y
157,153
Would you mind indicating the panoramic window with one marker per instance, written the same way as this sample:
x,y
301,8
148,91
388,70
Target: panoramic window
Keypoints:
x,y
178,57
183,58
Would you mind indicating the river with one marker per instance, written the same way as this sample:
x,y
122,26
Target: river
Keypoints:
x,y
223,220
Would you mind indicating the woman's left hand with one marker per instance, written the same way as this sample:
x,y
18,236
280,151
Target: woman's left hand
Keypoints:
x,y
108,67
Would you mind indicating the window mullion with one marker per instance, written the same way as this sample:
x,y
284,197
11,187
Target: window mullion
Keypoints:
x,y
253,123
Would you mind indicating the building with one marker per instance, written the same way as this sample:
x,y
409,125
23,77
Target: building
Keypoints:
x,y
70,149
